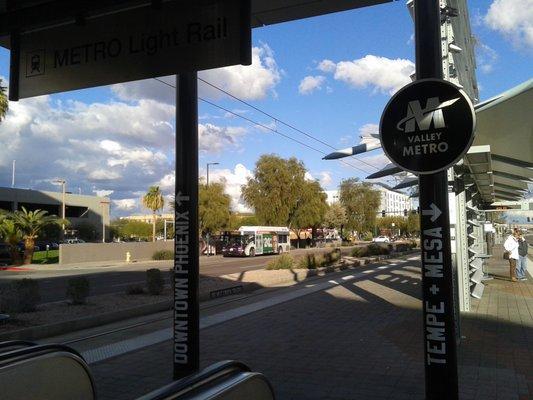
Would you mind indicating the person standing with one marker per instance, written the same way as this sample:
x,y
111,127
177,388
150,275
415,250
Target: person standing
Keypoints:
x,y
521,265
511,245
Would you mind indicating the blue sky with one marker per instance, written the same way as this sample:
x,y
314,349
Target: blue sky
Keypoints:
x,y
328,76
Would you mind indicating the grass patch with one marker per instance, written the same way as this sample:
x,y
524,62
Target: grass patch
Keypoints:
x,y
40,257
284,261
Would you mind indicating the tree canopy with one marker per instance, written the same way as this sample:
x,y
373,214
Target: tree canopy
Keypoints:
x,y
281,196
31,224
335,216
213,207
153,200
4,104
361,202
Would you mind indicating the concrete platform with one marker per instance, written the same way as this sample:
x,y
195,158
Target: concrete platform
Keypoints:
x,y
356,338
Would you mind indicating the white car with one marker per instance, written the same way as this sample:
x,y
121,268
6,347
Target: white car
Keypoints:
x,y
381,239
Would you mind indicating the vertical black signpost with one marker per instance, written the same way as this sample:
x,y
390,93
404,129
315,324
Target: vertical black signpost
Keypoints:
x,y
186,241
426,127
440,346
186,238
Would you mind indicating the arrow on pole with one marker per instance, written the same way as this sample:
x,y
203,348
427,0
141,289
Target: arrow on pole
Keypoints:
x,y
180,198
434,212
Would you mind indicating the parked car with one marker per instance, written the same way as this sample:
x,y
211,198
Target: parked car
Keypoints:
x,y
381,239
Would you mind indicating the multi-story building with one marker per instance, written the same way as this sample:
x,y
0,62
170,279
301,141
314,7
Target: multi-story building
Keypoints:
x,y
393,202
89,211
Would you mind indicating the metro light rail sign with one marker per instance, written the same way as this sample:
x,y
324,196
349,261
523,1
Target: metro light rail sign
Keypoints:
x,y
427,126
139,43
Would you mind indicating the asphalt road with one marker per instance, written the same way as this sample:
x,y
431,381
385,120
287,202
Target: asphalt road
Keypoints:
x,y
115,278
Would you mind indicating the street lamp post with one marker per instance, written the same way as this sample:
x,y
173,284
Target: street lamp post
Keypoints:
x,y
103,203
63,184
208,164
207,184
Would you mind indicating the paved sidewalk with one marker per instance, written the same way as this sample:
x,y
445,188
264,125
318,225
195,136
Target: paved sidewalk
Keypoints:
x,y
361,339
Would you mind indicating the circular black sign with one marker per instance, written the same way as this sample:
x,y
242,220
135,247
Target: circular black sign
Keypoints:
x,y
427,126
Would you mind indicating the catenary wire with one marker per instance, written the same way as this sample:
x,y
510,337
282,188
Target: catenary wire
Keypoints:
x,y
278,120
270,128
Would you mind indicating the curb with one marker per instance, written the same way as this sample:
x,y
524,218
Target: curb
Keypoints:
x,y
59,328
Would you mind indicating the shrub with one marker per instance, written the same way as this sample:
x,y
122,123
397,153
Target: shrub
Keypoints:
x,y
413,244
78,290
332,257
20,296
163,255
154,281
284,261
308,262
403,247
367,236
134,289
360,252
377,250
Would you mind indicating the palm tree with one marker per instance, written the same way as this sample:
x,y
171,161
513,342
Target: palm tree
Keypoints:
x,y
31,223
11,235
153,200
3,102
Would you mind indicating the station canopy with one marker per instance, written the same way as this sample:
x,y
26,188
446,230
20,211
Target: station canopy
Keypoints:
x,y
24,15
500,161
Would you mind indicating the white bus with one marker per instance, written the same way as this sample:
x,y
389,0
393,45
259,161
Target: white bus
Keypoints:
x,y
250,241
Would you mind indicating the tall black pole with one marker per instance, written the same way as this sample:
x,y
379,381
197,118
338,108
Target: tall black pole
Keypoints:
x,y
440,347
186,252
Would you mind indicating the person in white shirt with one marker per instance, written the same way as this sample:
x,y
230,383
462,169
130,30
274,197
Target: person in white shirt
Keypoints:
x,y
511,245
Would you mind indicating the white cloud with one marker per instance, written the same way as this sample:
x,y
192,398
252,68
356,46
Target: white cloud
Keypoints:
x,y
125,146
213,138
486,57
309,177
233,179
382,74
327,66
103,193
366,131
514,19
167,182
251,82
325,179
103,175
126,204
311,83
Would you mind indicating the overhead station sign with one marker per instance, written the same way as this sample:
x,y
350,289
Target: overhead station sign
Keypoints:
x,y
140,43
427,126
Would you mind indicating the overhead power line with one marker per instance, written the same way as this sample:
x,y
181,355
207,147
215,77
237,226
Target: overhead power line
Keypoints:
x,y
268,127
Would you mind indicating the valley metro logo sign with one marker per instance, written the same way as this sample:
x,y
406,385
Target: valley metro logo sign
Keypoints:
x,y
423,117
427,126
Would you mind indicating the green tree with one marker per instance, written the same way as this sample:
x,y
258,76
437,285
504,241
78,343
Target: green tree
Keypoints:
x,y
361,202
335,217
275,190
400,223
154,201
130,229
413,224
31,224
87,231
213,207
309,209
4,104
11,235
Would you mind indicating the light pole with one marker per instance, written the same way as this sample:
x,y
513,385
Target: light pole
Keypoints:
x,y
103,203
63,184
207,184
208,164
